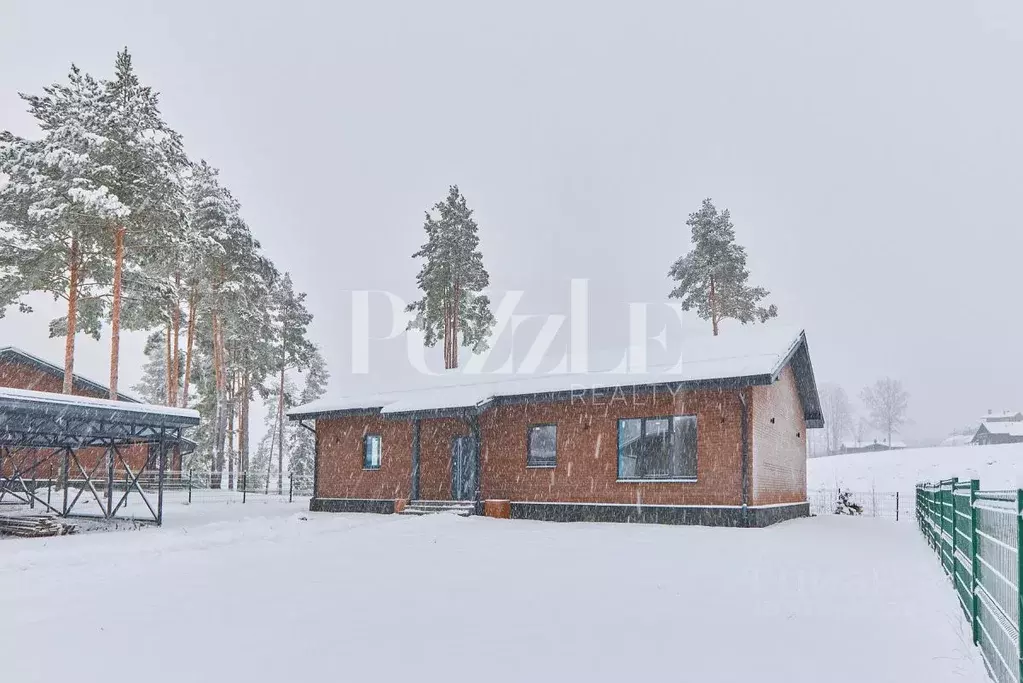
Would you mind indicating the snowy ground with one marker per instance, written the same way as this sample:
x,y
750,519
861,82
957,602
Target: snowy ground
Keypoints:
x,y
270,596
997,467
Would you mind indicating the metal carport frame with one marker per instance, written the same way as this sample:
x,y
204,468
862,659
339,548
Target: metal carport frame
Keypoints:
x,y
40,428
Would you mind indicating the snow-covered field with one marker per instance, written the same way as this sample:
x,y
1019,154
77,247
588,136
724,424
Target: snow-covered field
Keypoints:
x,y
997,467
275,594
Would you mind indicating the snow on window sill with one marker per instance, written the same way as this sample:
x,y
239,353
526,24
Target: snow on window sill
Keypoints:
x,y
675,480
371,469
539,466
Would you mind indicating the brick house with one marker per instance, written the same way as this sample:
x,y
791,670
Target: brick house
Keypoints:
x,y
22,370
719,439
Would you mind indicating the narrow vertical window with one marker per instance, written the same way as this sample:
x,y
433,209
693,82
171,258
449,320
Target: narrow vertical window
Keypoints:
x,y
371,452
543,446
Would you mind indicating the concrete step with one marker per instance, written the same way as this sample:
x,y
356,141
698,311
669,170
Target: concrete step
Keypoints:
x,y
442,503
427,507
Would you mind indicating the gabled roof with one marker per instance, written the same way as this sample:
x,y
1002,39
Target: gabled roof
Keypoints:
x,y
1004,416
744,357
1007,428
13,354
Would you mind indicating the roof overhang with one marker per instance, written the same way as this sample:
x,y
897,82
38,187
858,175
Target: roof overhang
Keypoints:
x,y
797,356
36,419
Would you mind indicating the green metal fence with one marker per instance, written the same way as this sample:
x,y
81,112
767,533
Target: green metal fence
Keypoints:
x,y
977,535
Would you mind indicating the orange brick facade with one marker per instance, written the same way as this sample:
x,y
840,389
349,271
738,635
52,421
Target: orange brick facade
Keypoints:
x,y
586,471
23,376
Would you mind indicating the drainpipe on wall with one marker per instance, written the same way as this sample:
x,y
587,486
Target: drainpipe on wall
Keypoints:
x,y
744,419
474,427
414,492
316,456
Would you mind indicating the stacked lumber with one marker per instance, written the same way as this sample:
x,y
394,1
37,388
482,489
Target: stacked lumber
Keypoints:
x,y
34,526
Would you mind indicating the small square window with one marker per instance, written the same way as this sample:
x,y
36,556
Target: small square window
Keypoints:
x,y
371,452
543,446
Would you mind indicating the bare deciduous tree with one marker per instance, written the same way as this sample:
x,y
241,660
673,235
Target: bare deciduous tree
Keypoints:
x,y
837,415
887,402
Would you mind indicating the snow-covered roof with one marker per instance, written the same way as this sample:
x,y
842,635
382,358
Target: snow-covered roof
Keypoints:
x,y
1004,416
743,357
13,353
1008,428
47,399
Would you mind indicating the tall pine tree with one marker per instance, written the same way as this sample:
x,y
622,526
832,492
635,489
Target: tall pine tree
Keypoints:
x,y
147,160
301,442
57,206
296,351
712,278
452,280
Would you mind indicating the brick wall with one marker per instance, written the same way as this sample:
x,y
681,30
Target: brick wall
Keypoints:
x,y
587,450
339,470
779,447
19,376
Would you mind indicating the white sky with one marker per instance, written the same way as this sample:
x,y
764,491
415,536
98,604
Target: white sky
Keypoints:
x,y
869,152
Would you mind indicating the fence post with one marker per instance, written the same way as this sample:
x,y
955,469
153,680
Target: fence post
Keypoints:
x,y
896,506
974,619
49,485
32,498
1019,574
245,487
291,486
189,485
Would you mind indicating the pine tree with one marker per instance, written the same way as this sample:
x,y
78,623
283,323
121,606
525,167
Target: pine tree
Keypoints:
x,y
302,442
452,280
296,352
56,208
152,387
147,160
712,278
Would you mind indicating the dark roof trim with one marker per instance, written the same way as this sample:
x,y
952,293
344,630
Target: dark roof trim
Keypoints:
x,y
9,352
545,397
798,357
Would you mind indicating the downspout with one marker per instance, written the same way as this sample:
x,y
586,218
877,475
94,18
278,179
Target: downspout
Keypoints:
x,y
416,441
474,426
316,459
744,420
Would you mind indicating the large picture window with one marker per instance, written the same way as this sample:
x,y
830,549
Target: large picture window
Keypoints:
x,y
371,452
657,448
543,446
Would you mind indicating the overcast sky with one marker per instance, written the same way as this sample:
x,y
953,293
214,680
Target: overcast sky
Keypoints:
x,y
870,153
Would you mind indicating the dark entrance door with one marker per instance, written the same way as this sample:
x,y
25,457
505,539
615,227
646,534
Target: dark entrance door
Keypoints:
x,y
463,468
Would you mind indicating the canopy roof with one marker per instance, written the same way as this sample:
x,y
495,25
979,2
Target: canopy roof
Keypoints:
x,y
42,419
743,358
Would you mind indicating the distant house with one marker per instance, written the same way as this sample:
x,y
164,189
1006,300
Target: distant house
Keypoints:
x,y
958,439
875,445
1002,427
1004,416
990,433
